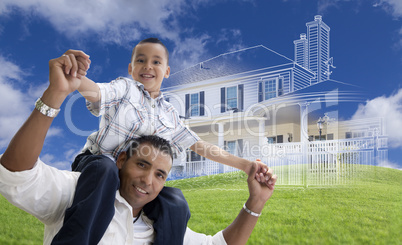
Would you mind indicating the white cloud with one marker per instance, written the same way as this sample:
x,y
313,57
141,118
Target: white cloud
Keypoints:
x,y
388,164
15,108
16,103
389,108
394,7
114,20
51,160
121,22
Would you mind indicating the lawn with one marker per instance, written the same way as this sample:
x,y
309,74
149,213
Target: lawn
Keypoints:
x,y
367,212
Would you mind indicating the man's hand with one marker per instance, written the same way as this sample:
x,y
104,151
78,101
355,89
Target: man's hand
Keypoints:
x,y
263,173
261,191
66,71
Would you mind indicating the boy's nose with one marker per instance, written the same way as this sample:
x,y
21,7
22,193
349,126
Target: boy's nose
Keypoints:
x,y
147,66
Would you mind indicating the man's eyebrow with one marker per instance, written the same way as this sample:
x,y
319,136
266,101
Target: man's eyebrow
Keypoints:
x,y
163,172
150,164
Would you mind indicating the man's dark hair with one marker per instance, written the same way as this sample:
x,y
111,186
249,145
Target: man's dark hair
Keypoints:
x,y
159,143
152,40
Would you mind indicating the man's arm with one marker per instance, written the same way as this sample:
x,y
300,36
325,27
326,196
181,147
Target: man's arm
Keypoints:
x,y
217,154
240,230
64,77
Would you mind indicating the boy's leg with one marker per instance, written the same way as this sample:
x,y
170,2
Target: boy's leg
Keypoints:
x,y
169,207
87,219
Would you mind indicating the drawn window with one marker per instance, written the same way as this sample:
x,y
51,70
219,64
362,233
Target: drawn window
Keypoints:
x,y
269,89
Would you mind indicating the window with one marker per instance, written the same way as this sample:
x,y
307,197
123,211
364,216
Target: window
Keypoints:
x,y
231,98
279,139
269,89
231,147
271,140
194,105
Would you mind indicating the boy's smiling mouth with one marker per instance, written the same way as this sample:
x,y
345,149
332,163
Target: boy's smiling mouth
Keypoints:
x,y
147,76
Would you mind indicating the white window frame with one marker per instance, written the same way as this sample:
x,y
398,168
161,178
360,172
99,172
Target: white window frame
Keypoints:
x,y
227,97
196,106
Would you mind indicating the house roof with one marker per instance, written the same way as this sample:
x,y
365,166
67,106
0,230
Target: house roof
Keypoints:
x,y
315,93
249,59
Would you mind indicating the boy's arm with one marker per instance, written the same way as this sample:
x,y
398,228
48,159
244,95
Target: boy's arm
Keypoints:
x,y
240,230
87,88
90,90
25,147
217,154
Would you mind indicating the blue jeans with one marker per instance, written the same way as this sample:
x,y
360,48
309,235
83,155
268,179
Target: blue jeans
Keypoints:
x,y
87,219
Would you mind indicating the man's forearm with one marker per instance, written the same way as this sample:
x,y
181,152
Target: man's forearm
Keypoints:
x,y
240,230
90,90
25,147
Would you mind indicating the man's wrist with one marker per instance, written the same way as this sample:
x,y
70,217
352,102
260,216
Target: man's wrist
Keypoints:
x,y
255,205
45,109
252,213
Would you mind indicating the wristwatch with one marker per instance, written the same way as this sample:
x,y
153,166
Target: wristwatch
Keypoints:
x,y
45,109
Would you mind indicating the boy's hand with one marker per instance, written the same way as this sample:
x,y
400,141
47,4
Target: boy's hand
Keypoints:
x,y
76,60
263,173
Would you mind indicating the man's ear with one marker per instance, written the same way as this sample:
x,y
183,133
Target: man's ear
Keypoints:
x,y
121,159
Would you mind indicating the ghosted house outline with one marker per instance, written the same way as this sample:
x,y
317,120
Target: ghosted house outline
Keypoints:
x,y
257,103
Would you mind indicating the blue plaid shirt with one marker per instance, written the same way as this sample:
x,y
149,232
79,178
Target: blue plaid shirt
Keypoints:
x,y
128,111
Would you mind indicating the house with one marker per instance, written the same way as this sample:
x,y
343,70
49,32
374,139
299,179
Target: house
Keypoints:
x,y
257,103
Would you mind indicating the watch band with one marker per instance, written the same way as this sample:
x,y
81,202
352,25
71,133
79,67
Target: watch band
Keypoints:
x,y
45,109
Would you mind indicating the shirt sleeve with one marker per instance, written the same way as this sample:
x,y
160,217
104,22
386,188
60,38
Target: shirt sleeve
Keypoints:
x,y
111,94
43,191
183,137
194,238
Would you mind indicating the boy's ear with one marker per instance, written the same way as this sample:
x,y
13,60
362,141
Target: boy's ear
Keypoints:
x,y
121,159
167,74
129,68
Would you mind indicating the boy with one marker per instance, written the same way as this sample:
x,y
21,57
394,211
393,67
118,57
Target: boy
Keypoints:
x,y
129,108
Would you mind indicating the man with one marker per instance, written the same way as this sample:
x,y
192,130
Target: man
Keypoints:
x,y
47,193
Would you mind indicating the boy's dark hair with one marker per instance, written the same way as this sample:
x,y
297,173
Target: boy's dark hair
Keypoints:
x,y
152,40
159,143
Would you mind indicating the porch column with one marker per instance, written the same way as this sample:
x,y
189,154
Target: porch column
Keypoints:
x,y
261,132
221,139
304,122
304,139
221,144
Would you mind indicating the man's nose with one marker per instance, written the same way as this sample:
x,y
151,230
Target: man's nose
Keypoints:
x,y
147,178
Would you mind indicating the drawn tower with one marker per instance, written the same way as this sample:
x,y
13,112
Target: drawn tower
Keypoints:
x,y
312,50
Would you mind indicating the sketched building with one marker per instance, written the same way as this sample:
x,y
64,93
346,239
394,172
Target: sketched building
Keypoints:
x,y
257,103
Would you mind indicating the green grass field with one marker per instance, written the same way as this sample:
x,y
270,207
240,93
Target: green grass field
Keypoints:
x,y
368,212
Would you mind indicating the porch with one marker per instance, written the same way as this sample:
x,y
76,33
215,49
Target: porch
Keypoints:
x,y
330,162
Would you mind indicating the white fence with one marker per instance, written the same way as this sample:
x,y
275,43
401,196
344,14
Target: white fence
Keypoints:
x,y
314,163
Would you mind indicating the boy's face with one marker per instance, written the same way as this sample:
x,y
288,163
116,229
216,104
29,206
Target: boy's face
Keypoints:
x,y
149,66
143,175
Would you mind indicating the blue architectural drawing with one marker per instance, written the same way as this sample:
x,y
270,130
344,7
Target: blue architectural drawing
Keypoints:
x,y
257,103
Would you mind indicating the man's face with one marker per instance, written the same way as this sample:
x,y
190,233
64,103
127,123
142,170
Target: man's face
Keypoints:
x,y
143,175
149,66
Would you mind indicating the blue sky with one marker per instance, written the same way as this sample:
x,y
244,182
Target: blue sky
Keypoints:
x,y
366,44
